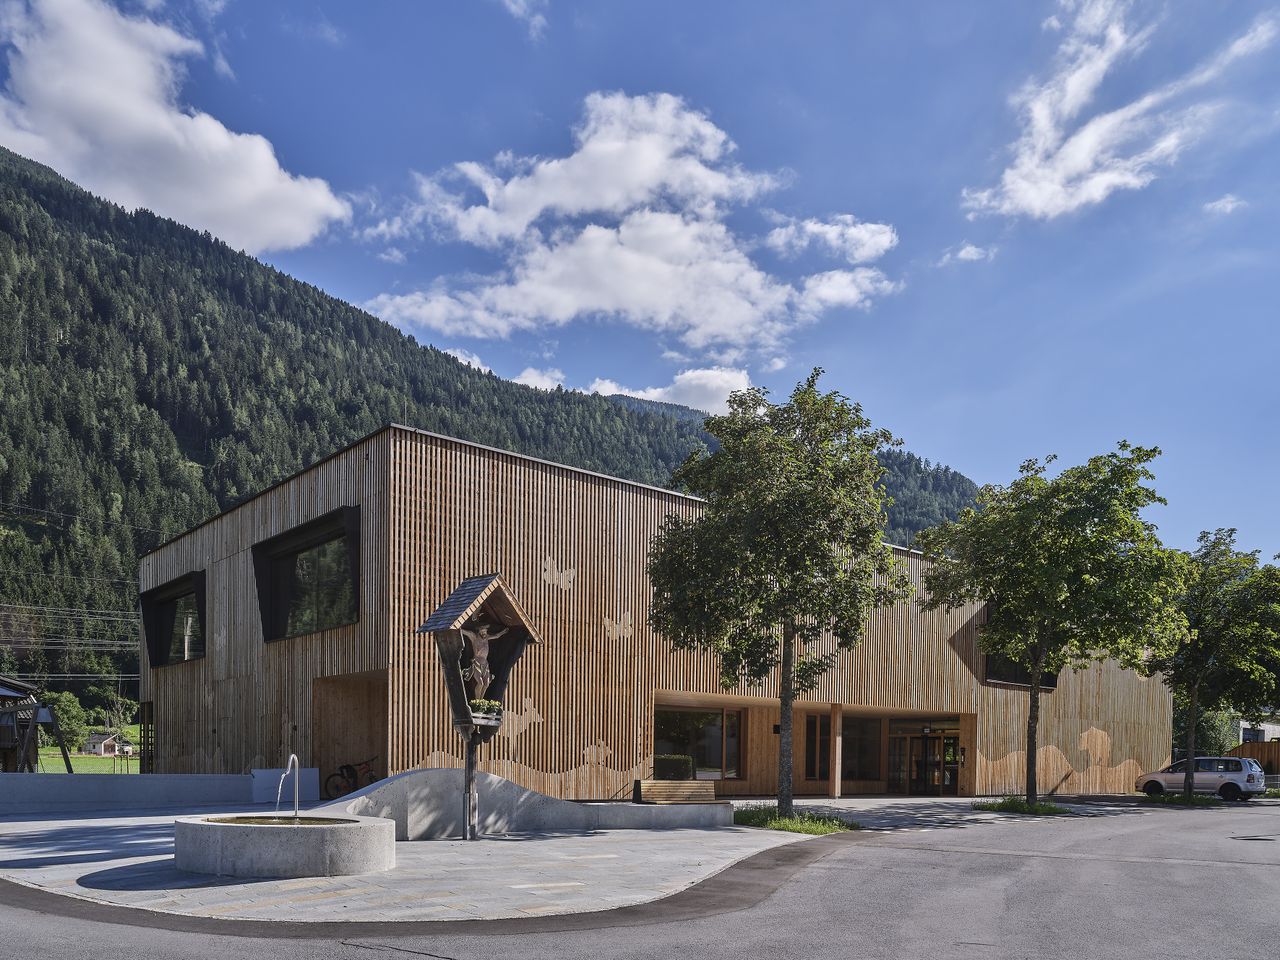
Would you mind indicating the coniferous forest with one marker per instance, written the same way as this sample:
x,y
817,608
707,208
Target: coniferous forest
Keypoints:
x,y
150,376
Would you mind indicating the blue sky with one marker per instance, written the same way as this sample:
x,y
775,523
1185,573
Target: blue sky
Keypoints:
x,y
1008,229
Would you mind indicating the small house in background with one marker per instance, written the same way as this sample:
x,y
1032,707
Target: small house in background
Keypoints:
x,y
107,745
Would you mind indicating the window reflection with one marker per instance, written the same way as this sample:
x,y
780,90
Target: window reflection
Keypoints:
x,y
711,739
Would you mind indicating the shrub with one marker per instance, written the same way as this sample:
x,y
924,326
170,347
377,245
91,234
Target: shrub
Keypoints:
x,y
71,717
672,766
485,706
766,816
1020,805
1180,799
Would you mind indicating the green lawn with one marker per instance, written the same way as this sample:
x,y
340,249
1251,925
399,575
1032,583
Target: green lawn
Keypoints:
x,y
51,762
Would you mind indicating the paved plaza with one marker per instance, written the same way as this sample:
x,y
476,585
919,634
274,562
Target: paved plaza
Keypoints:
x,y
126,860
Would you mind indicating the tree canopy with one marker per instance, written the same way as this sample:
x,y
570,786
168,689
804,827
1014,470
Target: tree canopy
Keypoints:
x,y
1070,570
781,569
1230,657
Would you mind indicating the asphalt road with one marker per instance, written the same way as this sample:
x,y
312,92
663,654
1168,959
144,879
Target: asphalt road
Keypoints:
x,y
1194,883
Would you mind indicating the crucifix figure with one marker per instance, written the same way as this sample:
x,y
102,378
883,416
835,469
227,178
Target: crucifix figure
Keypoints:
x,y
478,671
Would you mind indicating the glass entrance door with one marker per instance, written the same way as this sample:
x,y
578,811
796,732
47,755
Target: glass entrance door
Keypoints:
x,y
924,756
926,765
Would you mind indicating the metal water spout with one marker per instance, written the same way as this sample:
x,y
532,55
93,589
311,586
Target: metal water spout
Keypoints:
x,y
291,765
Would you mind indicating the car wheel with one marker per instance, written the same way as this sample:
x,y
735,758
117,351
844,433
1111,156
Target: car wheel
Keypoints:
x,y
1230,791
1153,788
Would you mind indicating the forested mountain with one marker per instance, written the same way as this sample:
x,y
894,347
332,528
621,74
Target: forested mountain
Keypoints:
x,y
150,375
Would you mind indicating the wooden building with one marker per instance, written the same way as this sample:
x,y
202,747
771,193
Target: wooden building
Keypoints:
x,y
287,625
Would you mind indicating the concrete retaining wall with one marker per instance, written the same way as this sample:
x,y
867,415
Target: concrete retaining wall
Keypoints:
x,y
427,805
68,792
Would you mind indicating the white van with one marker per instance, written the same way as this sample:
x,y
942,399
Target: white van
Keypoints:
x,y
1231,778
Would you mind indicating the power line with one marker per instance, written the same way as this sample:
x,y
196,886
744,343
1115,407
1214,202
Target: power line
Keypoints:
x,y
44,575
75,676
77,516
98,613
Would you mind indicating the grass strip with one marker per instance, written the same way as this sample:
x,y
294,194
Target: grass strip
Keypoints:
x,y
1182,800
766,816
1019,805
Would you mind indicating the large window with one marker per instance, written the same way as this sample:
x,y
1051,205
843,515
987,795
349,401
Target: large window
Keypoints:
x,y
712,739
1001,669
817,746
860,748
308,578
173,621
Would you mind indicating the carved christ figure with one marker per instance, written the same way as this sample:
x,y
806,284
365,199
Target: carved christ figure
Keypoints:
x,y
478,671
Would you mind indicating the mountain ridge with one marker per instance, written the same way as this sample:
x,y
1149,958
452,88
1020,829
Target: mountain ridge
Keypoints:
x,y
152,376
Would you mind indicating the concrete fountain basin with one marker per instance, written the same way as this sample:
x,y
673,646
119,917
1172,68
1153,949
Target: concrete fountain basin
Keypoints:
x,y
284,846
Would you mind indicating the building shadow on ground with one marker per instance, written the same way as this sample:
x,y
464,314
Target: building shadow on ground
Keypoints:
x,y
55,846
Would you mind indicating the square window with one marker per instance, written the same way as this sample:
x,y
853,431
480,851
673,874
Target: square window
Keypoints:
x,y
309,577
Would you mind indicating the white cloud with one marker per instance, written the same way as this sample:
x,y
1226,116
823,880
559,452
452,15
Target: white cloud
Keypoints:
x,y
391,255
967,253
842,288
529,12
316,27
706,389
629,152
843,235
467,357
94,94
1227,203
1068,158
629,227
547,379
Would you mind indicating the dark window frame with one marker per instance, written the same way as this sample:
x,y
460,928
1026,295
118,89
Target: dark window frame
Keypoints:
x,y
817,746
847,739
159,607
725,712
342,522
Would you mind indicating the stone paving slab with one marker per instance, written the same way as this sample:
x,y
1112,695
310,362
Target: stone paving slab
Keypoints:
x,y
127,861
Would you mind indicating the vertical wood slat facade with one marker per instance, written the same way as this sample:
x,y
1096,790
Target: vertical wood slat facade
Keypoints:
x,y
579,711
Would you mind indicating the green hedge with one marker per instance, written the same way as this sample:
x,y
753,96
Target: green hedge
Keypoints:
x,y
672,766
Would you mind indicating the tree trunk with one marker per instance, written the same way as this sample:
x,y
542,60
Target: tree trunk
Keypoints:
x,y
1033,727
1189,776
786,701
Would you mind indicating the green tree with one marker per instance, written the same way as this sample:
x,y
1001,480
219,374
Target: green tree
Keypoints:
x,y
73,722
1070,571
786,561
1230,655
1217,731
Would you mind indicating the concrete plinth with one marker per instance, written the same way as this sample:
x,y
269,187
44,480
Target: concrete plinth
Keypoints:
x,y
427,805
341,847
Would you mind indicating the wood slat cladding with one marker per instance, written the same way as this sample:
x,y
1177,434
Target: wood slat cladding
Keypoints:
x,y
247,703
572,545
